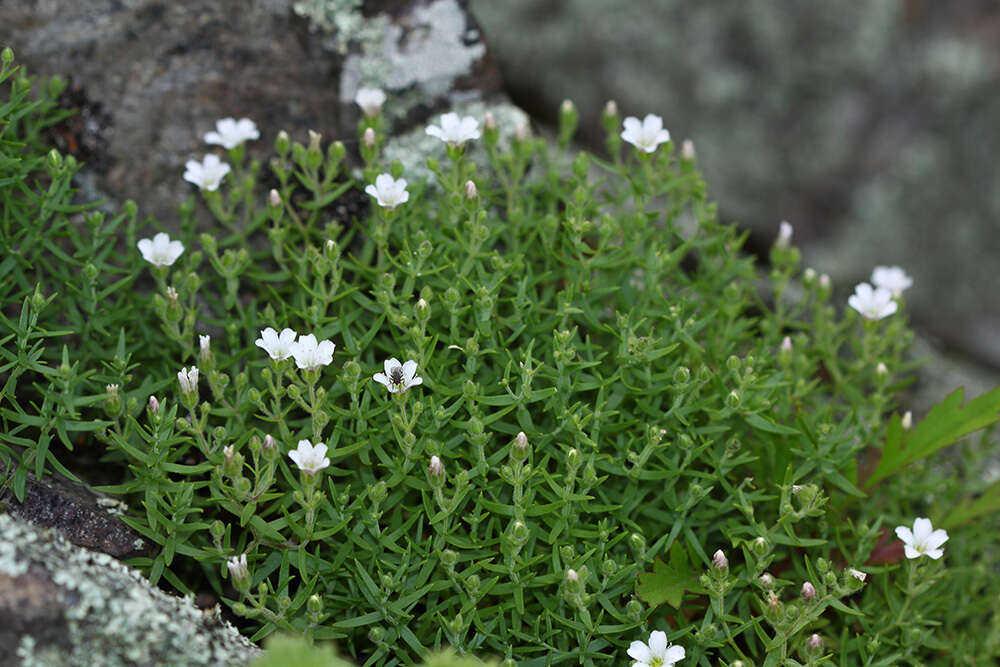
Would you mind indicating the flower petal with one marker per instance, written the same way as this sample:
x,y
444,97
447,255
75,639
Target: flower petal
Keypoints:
x,y
639,651
674,654
922,529
936,539
905,534
658,642
409,370
389,365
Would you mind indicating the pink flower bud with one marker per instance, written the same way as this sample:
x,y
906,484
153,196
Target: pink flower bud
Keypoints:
x,y
154,405
369,138
471,192
269,442
489,122
719,560
436,468
808,591
815,642
687,149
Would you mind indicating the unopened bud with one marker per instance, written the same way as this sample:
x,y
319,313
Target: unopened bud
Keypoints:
x,y
719,560
687,149
611,109
489,122
824,281
435,469
858,574
153,405
519,532
572,576
809,276
368,139
273,198
471,192
786,344
112,389
522,132
282,143
881,370
907,420
521,441
314,141
759,546
785,231
815,642
766,580
808,591
171,295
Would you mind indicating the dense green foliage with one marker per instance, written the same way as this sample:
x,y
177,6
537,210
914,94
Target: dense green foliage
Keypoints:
x,y
595,305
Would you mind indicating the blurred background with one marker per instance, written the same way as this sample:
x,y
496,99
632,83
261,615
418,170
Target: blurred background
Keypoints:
x,y
873,127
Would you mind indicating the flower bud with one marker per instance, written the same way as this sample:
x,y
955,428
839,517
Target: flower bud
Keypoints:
x,y
519,448
273,198
239,572
568,119
785,231
687,150
907,421
435,471
858,574
471,192
522,133
519,532
733,400
759,546
682,374
282,143
610,116
634,610
153,405
766,580
815,642
808,591
315,604
573,460
368,139
422,310
7,55
719,560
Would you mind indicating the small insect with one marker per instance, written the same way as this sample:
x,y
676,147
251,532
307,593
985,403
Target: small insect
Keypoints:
x,y
396,375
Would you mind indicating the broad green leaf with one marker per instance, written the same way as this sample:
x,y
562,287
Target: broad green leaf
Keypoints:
x,y
668,583
987,503
945,424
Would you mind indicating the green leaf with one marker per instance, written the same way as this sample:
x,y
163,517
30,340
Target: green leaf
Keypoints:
x,y
762,424
987,503
945,424
668,583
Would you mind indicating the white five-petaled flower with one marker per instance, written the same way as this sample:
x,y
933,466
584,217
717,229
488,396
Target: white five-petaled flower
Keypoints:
x,y
658,653
230,133
873,303
309,458
892,278
188,379
160,251
370,100
923,540
646,135
399,377
388,192
206,174
310,354
455,131
278,346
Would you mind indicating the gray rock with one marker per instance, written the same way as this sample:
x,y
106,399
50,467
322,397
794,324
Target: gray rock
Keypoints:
x,y
63,605
870,126
84,517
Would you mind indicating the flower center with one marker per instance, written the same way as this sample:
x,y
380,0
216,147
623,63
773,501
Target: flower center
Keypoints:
x,y
656,662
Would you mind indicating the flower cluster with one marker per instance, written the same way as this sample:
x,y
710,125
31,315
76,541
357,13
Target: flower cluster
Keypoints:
x,y
874,303
309,353
229,133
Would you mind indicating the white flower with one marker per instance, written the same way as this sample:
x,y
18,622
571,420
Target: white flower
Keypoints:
x,y
205,343
388,192
858,574
923,540
310,459
230,133
206,174
872,303
658,653
188,379
647,135
278,346
455,131
399,377
310,354
160,251
370,100
892,278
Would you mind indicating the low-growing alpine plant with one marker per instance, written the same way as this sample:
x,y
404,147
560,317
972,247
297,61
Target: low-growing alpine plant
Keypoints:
x,y
541,412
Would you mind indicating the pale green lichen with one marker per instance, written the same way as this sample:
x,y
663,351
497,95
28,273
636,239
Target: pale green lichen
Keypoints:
x,y
114,617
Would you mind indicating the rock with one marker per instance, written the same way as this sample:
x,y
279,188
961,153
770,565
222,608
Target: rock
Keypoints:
x,y
64,605
152,77
81,515
867,125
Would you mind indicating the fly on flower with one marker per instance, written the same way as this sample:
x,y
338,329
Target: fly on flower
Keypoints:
x,y
399,377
